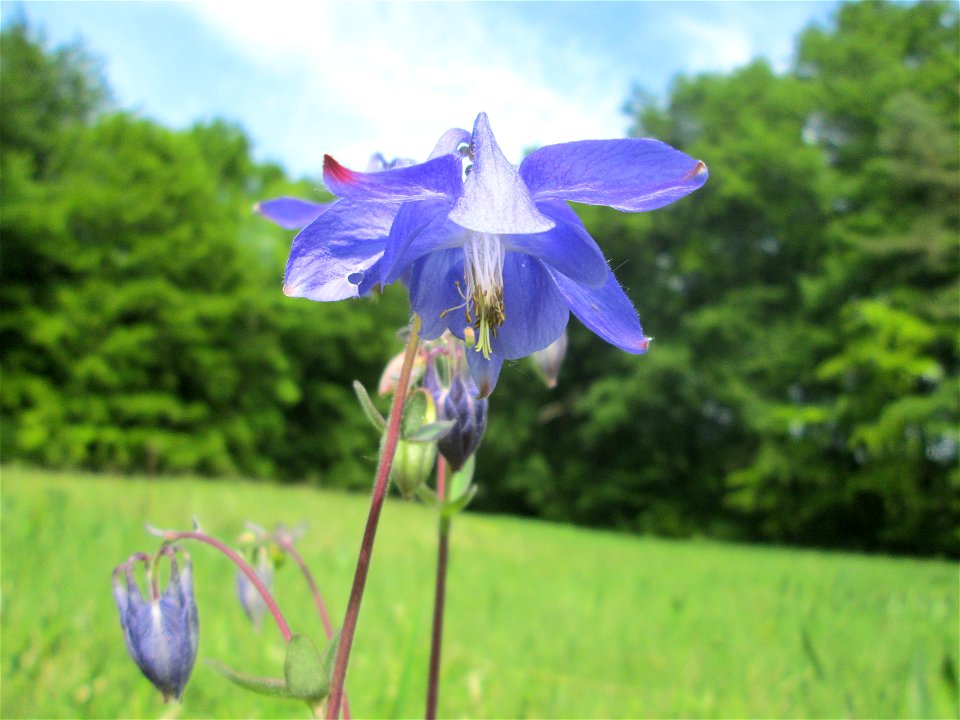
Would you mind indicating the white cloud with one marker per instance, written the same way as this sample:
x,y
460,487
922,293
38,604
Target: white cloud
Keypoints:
x,y
714,47
361,77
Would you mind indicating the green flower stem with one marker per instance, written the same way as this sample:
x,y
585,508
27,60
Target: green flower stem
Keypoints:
x,y
245,568
443,541
389,447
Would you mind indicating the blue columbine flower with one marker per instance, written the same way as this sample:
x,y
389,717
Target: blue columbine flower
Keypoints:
x,y
161,634
496,254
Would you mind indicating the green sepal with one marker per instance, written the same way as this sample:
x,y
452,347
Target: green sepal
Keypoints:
x,y
462,491
430,497
415,411
463,478
431,432
452,507
305,670
330,653
369,409
265,686
412,464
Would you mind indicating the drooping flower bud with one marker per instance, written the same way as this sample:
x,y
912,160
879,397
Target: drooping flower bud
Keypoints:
x,y
161,633
390,377
547,362
250,598
457,402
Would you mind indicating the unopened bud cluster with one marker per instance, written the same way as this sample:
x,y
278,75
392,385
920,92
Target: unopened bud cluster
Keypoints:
x,y
457,402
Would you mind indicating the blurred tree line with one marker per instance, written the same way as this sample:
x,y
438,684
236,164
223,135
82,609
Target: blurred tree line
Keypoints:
x,y
803,383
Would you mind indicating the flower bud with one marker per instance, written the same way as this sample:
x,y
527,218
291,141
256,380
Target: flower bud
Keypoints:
x,y
250,598
459,403
161,634
413,460
547,362
390,377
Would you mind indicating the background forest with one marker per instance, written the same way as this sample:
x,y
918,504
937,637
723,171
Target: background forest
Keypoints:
x,y
802,387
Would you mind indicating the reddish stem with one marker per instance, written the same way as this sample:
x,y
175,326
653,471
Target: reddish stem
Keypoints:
x,y
244,568
436,641
370,531
317,599
314,590
441,477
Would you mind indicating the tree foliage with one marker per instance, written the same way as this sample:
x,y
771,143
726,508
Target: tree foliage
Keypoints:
x,y
802,386
803,382
143,328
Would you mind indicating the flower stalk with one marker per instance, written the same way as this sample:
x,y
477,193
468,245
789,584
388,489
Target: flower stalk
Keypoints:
x,y
245,568
436,641
288,548
388,449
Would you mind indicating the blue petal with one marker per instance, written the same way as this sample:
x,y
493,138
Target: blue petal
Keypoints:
x,y
378,162
434,294
291,213
607,311
346,240
366,280
432,180
450,142
568,247
419,228
631,175
484,371
494,199
536,314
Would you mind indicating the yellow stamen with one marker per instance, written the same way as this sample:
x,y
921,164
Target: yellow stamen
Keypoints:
x,y
483,274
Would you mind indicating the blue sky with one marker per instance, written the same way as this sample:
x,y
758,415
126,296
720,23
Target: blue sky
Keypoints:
x,y
351,78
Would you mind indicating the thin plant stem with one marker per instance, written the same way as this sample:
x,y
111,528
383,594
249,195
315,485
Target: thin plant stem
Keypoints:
x,y
441,477
443,541
314,590
370,531
317,599
172,535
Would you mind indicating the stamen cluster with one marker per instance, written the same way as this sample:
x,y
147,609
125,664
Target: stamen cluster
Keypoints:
x,y
483,274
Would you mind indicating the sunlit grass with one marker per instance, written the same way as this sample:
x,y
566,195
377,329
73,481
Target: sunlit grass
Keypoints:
x,y
542,620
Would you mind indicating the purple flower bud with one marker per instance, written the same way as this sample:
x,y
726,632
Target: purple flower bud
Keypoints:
x,y
250,598
162,633
458,402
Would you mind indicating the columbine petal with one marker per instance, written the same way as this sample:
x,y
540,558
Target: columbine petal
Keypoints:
x,y
484,371
291,213
432,180
633,175
607,311
494,199
366,280
378,162
450,142
419,229
346,240
434,293
536,313
568,247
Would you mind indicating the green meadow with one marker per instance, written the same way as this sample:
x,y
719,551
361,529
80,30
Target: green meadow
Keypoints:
x,y
542,620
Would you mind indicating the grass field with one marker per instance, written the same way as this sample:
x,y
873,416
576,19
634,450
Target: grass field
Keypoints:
x,y
542,620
